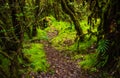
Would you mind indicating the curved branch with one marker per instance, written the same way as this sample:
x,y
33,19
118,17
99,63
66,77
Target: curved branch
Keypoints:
x,y
66,8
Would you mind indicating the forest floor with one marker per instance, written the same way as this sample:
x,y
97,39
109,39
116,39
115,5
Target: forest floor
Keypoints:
x,y
61,66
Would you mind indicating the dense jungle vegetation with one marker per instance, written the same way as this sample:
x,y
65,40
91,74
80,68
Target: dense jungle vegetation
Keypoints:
x,y
59,39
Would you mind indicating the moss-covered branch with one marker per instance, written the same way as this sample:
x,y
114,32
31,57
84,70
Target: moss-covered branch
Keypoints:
x,y
67,9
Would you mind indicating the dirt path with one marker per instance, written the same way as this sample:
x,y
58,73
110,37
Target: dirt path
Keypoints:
x,y
61,66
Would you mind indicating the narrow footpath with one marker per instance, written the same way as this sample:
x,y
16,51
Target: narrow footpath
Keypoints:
x,y
61,66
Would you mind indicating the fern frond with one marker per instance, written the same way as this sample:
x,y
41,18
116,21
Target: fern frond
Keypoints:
x,y
103,46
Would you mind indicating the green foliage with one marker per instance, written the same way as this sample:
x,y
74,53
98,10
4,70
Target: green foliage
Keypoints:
x,y
83,46
26,38
4,64
41,35
36,55
87,44
88,62
103,46
118,21
102,57
61,31
84,26
78,56
66,32
102,61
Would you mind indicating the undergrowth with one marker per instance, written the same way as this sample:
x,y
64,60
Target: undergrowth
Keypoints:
x,y
65,40
36,55
66,32
41,35
4,65
34,52
88,62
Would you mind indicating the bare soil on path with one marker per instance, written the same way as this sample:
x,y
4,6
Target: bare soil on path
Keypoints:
x,y
61,66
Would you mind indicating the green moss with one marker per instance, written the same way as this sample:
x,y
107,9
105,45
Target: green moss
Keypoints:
x,y
88,62
41,35
78,56
4,64
65,31
36,55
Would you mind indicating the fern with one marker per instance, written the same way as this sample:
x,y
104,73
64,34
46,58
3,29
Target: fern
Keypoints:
x,y
103,46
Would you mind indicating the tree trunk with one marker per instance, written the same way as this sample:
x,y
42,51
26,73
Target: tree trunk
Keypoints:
x,y
70,11
16,49
35,25
56,10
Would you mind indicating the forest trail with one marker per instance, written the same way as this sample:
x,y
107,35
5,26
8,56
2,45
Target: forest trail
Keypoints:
x,y
61,66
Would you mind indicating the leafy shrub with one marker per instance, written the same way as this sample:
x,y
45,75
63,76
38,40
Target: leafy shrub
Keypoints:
x,y
88,62
36,55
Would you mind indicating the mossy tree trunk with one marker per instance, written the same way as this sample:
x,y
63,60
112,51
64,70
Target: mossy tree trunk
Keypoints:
x,y
12,35
69,9
16,48
36,18
56,10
